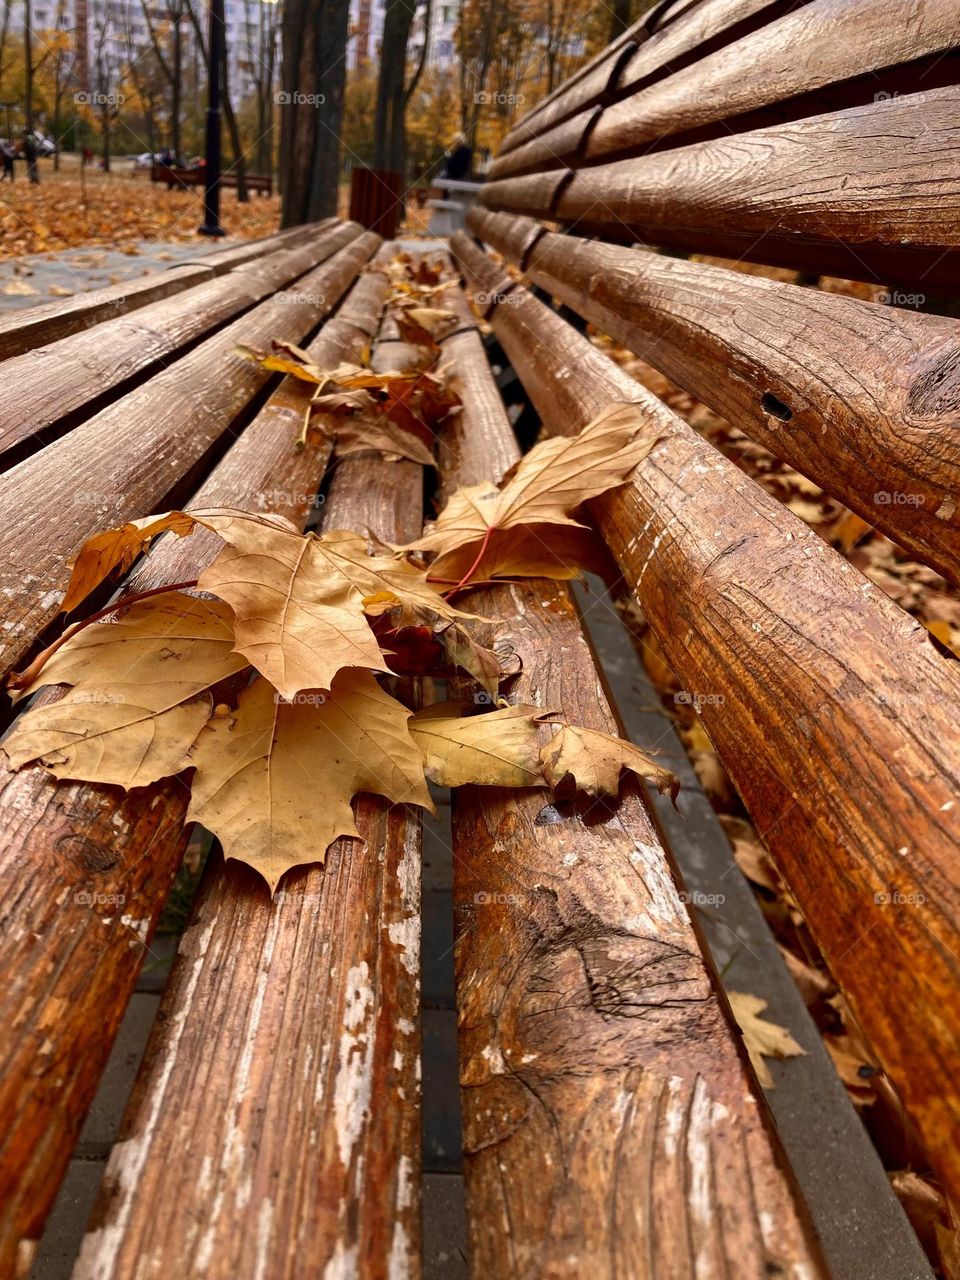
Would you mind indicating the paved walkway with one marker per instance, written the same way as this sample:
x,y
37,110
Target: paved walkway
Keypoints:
x,y
42,277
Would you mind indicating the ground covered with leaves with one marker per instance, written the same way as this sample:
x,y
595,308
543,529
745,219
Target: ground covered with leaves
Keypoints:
x,y
115,209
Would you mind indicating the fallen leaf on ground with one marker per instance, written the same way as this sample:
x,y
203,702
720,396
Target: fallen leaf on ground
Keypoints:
x,y
762,1039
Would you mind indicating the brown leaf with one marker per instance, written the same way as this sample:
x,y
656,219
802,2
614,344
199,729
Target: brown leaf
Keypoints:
x,y
357,435
274,781
139,693
549,482
595,761
762,1039
497,749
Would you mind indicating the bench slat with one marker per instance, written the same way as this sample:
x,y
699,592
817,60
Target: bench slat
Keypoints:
x,y
641,55
871,193
857,396
72,964
108,470
43,390
830,708
24,330
596,1061
318,990
811,49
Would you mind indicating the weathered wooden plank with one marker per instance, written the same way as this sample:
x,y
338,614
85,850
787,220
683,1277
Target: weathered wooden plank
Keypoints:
x,y
24,330
652,49
86,869
597,1065
870,194
802,52
862,398
44,390
833,712
318,990
222,260
129,457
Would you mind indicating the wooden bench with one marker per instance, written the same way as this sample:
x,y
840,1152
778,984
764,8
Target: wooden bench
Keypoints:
x,y
612,1126
179,176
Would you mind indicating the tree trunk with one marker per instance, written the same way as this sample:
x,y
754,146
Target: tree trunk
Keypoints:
x,y
239,160
389,149
311,105
28,65
175,84
105,133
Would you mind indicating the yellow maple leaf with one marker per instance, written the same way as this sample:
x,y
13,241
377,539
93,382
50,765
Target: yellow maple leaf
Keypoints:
x,y
499,748
762,1039
274,782
138,697
596,760
532,505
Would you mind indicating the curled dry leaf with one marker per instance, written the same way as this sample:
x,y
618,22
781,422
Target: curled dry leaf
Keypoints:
x,y
596,760
501,527
138,697
762,1039
357,435
498,749
275,780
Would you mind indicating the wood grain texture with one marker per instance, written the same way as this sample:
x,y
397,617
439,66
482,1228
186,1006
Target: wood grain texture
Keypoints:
x,y
656,46
69,851
820,44
597,1066
56,383
831,709
319,990
870,194
124,462
24,330
863,398
222,260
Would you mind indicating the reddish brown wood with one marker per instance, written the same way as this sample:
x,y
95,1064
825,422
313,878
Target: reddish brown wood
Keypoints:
x,y
815,46
222,260
864,399
869,193
275,1126
596,1061
57,383
831,708
124,462
72,963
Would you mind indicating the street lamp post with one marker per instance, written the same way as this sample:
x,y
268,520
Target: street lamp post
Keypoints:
x,y
211,198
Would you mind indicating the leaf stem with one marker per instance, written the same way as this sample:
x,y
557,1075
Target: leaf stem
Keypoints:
x,y
476,564
23,679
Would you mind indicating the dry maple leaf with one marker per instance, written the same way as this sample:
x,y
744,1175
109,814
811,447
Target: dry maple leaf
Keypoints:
x,y
299,600
596,760
532,506
296,621
497,749
139,695
359,434
762,1039
274,782
116,550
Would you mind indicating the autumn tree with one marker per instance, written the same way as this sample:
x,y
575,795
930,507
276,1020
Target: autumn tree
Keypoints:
x,y
314,41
